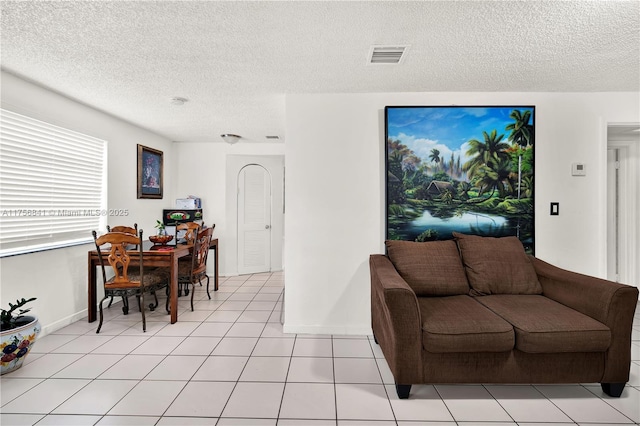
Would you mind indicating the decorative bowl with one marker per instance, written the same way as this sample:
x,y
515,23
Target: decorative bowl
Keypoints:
x,y
160,239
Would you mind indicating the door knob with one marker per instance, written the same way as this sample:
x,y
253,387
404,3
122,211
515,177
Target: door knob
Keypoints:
x,y
267,226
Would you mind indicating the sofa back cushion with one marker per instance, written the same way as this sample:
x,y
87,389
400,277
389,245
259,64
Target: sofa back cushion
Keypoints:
x,y
431,268
497,265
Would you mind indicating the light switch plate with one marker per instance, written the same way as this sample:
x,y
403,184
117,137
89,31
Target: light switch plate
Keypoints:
x,y
555,209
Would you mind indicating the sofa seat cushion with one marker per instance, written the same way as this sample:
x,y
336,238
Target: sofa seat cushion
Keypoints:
x,y
431,268
497,265
460,324
543,325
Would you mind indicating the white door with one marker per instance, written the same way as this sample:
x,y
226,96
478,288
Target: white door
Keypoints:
x,y
613,231
254,220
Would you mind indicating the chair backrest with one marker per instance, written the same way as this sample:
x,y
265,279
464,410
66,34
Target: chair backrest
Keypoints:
x,y
117,257
125,229
201,251
191,229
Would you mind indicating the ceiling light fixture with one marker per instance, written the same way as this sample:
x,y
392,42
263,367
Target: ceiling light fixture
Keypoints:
x,y
178,100
230,138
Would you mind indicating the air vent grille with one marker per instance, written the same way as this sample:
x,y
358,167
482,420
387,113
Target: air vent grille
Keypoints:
x,y
387,55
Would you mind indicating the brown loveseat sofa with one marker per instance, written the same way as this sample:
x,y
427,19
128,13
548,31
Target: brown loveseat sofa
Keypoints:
x,y
480,310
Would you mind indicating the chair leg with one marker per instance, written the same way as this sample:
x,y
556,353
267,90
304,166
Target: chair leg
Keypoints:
x,y
193,292
101,315
153,306
613,389
208,294
110,302
125,305
144,320
403,391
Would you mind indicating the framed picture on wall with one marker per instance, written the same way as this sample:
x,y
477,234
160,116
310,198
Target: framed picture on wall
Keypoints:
x,y
467,169
150,172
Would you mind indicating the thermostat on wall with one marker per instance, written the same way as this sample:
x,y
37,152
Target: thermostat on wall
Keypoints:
x,y
578,169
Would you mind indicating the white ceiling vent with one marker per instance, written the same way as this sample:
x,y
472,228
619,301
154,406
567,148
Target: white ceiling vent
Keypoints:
x,y
386,55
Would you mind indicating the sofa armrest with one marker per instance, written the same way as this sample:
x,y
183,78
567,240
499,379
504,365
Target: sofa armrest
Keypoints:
x,y
396,321
611,303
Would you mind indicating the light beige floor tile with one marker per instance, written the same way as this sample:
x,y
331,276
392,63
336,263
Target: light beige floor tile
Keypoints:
x,y
358,348
423,405
89,366
45,397
230,305
148,398
19,419
158,345
628,403
46,366
308,401
11,388
98,397
356,370
221,368
197,316
236,346
310,370
129,421
201,399
52,342
212,329
253,316
247,329
527,404
581,405
132,367
313,348
362,402
224,316
265,369
68,420
179,329
274,347
246,422
176,367
121,345
472,403
275,330
195,345
259,400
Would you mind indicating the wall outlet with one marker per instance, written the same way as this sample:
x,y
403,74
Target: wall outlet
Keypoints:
x,y
578,169
555,209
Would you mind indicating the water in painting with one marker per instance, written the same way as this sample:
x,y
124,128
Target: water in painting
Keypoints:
x,y
463,169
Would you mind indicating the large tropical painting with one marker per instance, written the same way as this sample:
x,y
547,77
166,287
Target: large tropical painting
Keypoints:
x,y
464,169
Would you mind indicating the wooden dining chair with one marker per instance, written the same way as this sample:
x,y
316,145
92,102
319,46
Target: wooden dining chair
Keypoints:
x,y
194,273
113,255
190,232
127,230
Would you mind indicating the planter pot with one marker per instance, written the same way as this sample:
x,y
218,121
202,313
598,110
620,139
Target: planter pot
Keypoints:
x,y
16,344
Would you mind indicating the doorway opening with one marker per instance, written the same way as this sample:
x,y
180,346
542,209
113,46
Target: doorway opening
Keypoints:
x,y
623,203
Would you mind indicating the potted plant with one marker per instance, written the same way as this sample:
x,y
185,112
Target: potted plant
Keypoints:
x,y
161,229
18,334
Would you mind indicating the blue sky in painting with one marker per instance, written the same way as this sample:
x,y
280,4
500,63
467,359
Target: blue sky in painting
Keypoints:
x,y
447,129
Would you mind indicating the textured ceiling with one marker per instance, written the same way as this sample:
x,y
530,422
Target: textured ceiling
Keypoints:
x,y
236,61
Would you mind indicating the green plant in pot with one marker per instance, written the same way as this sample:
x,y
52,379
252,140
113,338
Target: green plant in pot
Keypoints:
x,y
18,334
161,228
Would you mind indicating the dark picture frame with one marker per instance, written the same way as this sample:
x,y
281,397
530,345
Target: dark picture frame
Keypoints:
x,y
467,169
150,172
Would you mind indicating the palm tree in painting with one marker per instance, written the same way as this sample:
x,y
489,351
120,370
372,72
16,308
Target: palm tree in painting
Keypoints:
x,y
494,177
435,156
486,153
522,133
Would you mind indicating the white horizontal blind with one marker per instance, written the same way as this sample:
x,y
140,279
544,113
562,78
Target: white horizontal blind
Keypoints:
x,y
52,185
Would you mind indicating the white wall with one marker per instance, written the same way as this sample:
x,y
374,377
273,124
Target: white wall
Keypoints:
x,y
203,172
334,156
58,278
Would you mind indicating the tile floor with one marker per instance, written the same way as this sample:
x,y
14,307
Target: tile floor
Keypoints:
x,y
229,363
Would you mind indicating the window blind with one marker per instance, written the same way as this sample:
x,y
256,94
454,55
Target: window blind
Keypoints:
x,y
52,185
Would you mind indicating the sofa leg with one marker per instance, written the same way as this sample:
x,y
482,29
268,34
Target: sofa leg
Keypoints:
x,y
375,339
403,391
613,389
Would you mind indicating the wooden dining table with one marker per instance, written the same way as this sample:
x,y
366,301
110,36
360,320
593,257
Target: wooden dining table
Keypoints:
x,y
153,256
